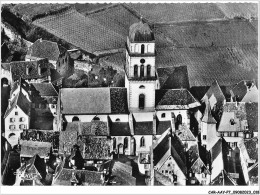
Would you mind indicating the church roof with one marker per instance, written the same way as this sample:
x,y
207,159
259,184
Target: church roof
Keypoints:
x,y
45,89
140,32
174,97
162,126
185,134
240,89
94,100
119,129
31,148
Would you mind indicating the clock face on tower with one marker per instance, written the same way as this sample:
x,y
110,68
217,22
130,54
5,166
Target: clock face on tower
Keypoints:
x,y
142,61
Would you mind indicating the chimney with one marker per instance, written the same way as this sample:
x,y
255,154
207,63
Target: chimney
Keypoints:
x,y
9,103
40,40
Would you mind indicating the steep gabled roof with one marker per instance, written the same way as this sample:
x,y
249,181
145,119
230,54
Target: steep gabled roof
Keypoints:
x,y
31,148
142,127
162,126
45,49
45,89
19,83
18,69
21,101
185,134
239,90
173,77
215,91
251,148
174,97
251,95
220,148
207,117
170,145
93,100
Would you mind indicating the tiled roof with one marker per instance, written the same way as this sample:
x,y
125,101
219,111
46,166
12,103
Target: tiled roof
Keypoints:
x,y
215,91
221,146
122,173
18,69
44,89
31,148
236,111
97,148
252,149
86,177
174,97
143,128
119,129
207,117
253,171
41,122
162,126
21,101
162,179
45,49
240,89
18,83
96,100
252,116
173,146
34,166
185,134
173,77
140,32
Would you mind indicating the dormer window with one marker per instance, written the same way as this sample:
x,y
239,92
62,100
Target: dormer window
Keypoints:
x,y
118,120
232,121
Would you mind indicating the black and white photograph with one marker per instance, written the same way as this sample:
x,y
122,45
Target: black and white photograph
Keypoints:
x,y
130,94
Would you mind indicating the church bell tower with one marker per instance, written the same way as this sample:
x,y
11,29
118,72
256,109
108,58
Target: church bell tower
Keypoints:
x,y
140,68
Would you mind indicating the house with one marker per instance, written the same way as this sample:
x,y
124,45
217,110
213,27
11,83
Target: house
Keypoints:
x,y
32,71
20,85
208,134
31,172
233,124
223,167
169,158
45,49
199,172
66,176
17,117
245,91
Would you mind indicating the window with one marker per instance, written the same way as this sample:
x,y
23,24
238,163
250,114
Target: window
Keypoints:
x,y
163,115
118,120
169,165
204,137
12,127
229,134
222,134
166,171
142,87
126,142
162,171
21,126
170,172
142,142
235,134
142,49
16,113
12,120
141,101
148,70
246,127
53,106
135,70
232,121
142,61
179,119
10,135
142,71
96,118
203,175
75,118
22,119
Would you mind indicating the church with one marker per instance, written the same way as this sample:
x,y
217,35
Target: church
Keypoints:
x,y
132,117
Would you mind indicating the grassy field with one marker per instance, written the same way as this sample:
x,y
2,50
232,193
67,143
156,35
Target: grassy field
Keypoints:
x,y
81,31
85,8
31,10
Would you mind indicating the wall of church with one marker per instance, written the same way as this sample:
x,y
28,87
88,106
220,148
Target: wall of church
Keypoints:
x,y
136,47
120,117
148,91
168,113
86,118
